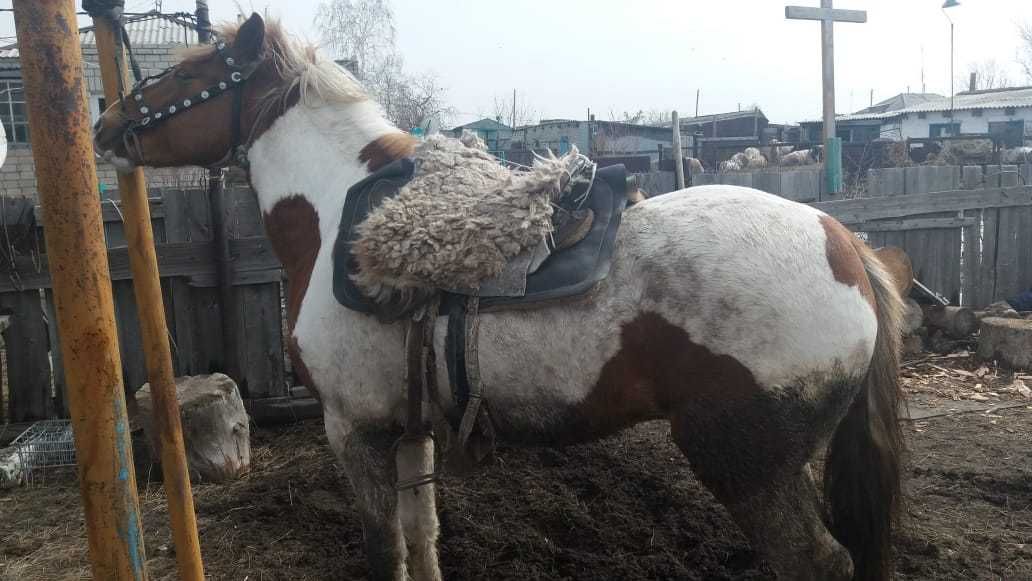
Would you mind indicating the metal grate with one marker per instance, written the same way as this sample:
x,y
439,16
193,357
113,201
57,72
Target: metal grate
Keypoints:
x,y
43,446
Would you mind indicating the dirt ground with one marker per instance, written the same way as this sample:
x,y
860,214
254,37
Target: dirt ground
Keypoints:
x,y
624,508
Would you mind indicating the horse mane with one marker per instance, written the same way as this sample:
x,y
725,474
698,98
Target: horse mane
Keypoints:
x,y
302,67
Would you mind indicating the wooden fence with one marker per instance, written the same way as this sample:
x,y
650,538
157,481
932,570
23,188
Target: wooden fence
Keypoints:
x,y
243,339
968,231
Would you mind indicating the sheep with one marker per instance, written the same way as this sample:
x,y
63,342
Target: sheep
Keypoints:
x,y
695,166
755,158
1018,155
801,157
738,162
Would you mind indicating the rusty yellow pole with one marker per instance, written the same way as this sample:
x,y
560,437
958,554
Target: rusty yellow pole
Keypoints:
x,y
59,122
147,286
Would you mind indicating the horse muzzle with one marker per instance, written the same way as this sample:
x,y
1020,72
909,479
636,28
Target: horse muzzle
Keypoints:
x,y
109,141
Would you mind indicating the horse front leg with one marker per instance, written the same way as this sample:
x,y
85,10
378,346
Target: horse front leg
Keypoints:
x,y
365,453
417,506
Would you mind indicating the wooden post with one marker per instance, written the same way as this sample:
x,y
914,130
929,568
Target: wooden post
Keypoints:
x,y
59,121
678,164
147,286
828,15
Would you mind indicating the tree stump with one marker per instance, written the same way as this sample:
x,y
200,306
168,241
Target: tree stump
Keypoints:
x,y
1006,340
216,432
956,322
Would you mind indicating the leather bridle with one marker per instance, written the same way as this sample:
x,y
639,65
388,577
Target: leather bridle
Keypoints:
x,y
151,116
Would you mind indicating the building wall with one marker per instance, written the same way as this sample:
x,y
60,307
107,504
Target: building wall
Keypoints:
x,y
17,177
550,135
745,126
912,126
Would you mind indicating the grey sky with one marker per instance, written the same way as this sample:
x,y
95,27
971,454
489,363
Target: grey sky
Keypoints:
x,y
615,56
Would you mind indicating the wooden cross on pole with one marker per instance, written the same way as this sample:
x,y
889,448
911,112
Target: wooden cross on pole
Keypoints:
x,y
828,16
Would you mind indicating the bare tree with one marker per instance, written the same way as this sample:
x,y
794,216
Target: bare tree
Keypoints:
x,y
420,103
642,117
363,30
524,111
1025,50
988,75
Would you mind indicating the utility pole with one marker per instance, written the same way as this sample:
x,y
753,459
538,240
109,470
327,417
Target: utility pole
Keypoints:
x,y
828,16
697,102
62,149
143,261
514,108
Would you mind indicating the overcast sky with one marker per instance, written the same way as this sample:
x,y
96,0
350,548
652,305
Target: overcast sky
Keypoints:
x,y
614,56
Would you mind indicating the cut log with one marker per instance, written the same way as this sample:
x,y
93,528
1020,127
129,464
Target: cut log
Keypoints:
x,y
913,317
912,345
1006,340
956,322
216,432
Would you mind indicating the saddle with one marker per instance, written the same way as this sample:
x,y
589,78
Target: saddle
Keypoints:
x,y
533,279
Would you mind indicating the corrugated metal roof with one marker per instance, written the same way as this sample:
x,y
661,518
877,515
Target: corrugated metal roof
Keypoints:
x,y
720,117
897,102
151,30
989,99
1017,97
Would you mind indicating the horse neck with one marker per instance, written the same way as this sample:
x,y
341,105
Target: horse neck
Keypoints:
x,y
313,151
301,170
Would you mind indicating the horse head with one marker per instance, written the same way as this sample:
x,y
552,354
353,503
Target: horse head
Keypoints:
x,y
198,112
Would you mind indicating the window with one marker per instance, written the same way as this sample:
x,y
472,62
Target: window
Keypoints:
x,y
1008,133
922,115
12,112
943,129
976,112
866,133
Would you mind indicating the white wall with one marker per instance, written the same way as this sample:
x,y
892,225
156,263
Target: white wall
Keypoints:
x,y
914,127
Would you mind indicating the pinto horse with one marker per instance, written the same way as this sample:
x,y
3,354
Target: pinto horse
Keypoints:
x,y
762,330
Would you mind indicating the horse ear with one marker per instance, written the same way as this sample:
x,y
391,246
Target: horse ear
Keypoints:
x,y
250,38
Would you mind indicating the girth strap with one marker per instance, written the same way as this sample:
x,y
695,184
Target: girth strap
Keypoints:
x,y
472,364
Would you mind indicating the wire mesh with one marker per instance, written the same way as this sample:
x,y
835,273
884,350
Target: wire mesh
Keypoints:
x,y
45,445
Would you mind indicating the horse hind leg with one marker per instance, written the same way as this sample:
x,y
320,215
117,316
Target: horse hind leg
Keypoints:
x,y
753,457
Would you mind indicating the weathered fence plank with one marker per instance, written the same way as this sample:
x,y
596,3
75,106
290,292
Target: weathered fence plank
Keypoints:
x,y
260,344
864,209
189,259
61,406
28,363
886,182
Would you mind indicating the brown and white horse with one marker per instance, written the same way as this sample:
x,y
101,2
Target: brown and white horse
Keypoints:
x,y
761,329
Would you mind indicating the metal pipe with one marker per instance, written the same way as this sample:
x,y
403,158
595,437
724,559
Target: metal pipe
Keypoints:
x,y
203,21
147,287
59,119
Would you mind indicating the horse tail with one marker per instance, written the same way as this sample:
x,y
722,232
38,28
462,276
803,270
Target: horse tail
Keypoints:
x,y
863,467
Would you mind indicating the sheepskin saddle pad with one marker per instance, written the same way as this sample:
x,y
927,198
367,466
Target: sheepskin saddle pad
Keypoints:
x,y
453,219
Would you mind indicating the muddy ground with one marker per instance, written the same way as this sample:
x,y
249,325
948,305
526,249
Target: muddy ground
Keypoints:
x,y
624,508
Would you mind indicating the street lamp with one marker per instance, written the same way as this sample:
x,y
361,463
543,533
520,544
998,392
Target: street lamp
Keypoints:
x,y
945,5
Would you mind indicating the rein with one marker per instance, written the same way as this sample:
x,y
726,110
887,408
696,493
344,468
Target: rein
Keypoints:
x,y
152,116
